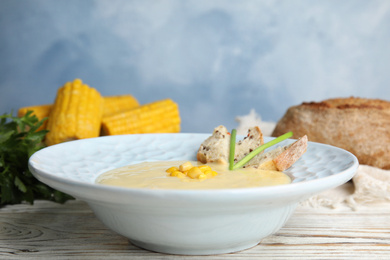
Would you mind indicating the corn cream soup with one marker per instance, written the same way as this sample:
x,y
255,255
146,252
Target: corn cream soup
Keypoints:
x,y
153,175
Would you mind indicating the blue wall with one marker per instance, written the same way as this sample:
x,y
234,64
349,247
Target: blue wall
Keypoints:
x,y
217,59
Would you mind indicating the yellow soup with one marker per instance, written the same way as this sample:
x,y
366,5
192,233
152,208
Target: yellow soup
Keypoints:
x,y
153,175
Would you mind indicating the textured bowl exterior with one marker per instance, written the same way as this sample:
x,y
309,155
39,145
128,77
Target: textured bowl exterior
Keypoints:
x,y
194,231
194,222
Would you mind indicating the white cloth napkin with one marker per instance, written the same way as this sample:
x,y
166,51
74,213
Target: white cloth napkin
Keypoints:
x,y
369,186
253,119
372,185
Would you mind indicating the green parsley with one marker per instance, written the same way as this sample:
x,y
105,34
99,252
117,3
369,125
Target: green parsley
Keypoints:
x,y
19,139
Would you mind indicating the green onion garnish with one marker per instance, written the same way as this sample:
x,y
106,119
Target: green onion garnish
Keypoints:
x,y
249,157
232,148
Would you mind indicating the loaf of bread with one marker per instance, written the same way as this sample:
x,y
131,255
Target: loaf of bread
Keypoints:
x,y
358,125
216,149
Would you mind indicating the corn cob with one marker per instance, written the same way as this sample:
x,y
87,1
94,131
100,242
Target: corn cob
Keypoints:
x,y
112,104
157,117
40,112
115,104
75,114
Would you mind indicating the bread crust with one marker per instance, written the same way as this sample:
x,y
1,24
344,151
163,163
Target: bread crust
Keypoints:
x,y
290,155
358,125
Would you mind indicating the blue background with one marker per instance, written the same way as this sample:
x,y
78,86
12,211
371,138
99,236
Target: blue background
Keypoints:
x,y
216,59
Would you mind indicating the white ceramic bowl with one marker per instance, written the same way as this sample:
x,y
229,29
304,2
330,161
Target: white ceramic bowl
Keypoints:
x,y
191,222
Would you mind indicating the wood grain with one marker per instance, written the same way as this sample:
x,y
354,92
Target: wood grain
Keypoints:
x,y
48,230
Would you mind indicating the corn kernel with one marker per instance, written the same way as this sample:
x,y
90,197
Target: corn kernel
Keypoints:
x,y
194,172
175,173
186,169
202,176
172,169
204,168
185,166
209,173
181,175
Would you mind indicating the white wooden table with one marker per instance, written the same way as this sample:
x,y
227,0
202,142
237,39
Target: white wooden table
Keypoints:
x,y
48,230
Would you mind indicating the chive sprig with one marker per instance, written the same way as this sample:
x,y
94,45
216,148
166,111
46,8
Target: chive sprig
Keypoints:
x,y
232,148
255,152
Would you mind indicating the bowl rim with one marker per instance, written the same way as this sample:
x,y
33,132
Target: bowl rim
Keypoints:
x,y
307,187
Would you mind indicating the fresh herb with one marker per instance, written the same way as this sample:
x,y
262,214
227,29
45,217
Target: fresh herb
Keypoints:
x,y
261,148
232,148
19,139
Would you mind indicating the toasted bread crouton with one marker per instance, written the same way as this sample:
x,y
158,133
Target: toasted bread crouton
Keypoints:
x,y
290,155
282,157
245,146
216,149
266,160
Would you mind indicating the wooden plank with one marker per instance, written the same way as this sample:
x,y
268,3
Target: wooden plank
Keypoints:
x,y
48,230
